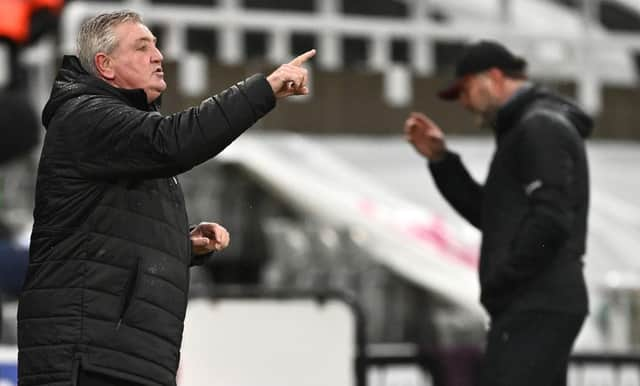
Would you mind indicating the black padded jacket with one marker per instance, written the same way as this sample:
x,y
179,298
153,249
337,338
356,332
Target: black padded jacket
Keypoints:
x,y
106,288
532,209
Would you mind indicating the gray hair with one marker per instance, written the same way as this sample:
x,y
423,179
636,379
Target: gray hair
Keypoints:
x,y
97,35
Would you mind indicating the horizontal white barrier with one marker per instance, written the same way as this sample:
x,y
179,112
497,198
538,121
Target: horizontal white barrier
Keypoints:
x,y
248,342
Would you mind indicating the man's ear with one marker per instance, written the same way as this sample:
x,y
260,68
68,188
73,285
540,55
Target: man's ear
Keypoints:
x,y
496,74
497,79
104,66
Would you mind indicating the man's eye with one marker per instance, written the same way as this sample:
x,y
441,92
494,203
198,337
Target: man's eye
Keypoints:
x,y
142,48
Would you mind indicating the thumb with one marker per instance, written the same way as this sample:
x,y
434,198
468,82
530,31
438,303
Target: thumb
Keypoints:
x,y
200,241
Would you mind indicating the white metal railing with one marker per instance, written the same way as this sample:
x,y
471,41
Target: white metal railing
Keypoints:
x,y
5,65
329,25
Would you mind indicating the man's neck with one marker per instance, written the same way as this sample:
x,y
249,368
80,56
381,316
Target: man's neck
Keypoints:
x,y
511,88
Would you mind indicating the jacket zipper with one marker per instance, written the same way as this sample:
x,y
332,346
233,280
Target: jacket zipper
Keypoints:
x,y
128,293
175,196
173,185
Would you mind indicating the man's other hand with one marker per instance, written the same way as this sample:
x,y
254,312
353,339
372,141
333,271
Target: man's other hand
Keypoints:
x,y
425,136
291,78
208,237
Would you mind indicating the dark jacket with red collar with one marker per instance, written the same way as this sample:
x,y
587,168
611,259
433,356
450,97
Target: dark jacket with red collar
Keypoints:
x,y
108,276
532,209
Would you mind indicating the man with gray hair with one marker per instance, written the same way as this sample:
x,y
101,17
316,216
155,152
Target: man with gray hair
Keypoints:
x,y
105,295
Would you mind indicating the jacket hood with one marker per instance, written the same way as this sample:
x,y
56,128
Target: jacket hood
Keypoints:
x,y
539,97
580,119
73,81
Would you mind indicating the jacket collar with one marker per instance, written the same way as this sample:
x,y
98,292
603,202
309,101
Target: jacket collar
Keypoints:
x,y
510,113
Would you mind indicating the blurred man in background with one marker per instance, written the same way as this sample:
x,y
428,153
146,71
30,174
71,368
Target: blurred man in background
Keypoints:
x,y
105,295
531,210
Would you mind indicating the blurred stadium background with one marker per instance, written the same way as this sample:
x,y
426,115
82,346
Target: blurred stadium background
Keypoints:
x,y
323,199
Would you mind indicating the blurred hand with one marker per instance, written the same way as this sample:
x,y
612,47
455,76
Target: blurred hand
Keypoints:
x,y
209,237
291,78
425,136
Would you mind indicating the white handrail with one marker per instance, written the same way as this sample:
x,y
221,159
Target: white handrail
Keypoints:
x,y
329,25
5,65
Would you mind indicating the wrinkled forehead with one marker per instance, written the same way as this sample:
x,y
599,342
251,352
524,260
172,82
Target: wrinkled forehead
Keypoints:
x,y
131,33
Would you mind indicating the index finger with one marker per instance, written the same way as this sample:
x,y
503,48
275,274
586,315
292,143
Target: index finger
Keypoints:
x,y
303,58
422,118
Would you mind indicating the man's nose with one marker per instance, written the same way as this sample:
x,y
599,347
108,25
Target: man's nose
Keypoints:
x,y
157,55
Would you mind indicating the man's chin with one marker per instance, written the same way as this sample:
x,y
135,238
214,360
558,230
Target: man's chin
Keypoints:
x,y
154,93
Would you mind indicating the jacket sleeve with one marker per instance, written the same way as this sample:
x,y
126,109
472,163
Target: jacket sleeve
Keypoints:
x,y
197,260
458,187
547,172
114,140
